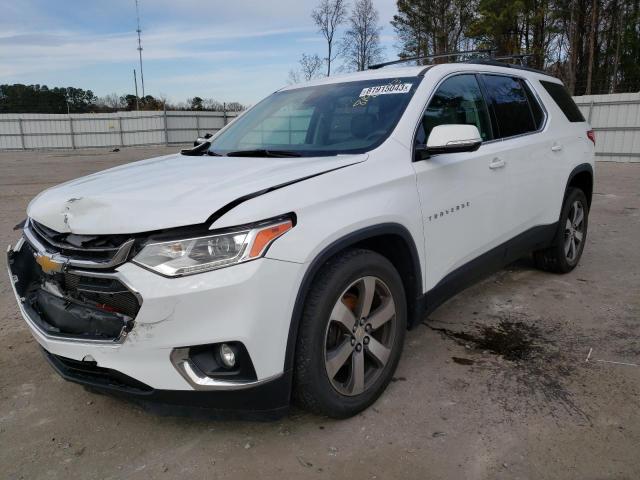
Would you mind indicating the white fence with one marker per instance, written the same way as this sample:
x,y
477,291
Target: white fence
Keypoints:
x,y
123,129
616,121
615,118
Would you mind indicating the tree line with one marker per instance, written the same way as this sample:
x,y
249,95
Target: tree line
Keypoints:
x,y
592,45
20,98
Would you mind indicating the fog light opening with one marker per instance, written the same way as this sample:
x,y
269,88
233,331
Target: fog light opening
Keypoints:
x,y
227,355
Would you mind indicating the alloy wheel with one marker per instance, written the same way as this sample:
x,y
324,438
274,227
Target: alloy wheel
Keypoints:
x,y
360,335
574,231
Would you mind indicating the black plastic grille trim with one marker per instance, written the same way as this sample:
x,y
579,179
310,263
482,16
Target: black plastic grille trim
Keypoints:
x,y
103,291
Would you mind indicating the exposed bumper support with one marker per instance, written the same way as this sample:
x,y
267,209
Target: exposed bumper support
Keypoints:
x,y
63,317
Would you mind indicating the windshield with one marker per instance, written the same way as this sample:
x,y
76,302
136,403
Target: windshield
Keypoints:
x,y
352,117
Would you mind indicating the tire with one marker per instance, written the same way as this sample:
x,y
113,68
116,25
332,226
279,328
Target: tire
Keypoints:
x,y
564,253
337,296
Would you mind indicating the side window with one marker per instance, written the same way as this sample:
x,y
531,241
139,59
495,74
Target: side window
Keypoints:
x,y
510,105
561,96
457,101
536,109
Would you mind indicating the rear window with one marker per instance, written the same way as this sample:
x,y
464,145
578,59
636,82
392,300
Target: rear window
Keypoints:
x,y
562,98
510,105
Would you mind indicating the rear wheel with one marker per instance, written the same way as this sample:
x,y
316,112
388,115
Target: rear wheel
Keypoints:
x,y
565,252
351,334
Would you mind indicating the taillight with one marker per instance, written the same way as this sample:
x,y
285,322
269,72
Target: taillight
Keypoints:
x,y
592,136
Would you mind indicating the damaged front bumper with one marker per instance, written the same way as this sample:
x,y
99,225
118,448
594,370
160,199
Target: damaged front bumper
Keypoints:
x,y
71,305
125,346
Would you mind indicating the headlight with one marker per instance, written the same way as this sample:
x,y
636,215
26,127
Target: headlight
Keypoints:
x,y
194,255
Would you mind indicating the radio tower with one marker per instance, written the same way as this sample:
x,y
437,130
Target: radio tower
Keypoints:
x,y
140,47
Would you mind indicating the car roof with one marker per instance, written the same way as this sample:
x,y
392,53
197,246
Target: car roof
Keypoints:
x,y
410,71
415,71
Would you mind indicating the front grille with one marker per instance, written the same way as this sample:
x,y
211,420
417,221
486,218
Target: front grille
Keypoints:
x,y
100,249
109,293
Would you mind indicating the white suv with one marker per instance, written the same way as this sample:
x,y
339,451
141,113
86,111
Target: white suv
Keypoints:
x,y
287,255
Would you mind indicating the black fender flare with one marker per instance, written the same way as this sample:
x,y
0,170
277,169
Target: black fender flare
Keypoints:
x,y
331,250
583,167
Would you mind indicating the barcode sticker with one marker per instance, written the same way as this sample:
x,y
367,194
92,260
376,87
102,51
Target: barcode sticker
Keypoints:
x,y
386,89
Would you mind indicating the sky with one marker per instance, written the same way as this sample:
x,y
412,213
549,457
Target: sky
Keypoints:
x,y
229,50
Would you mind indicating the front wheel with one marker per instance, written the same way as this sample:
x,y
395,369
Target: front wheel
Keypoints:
x,y
565,252
351,335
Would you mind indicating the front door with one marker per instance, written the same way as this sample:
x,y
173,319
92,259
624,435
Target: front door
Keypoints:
x,y
461,194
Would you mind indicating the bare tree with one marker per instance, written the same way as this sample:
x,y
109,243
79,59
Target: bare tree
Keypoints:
x,y
308,69
294,77
112,101
361,42
328,16
235,107
163,99
212,105
592,44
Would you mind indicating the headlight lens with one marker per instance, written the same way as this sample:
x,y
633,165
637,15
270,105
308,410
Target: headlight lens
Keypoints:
x,y
195,255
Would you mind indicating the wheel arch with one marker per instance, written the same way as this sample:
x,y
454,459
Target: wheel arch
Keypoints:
x,y
581,177
393,241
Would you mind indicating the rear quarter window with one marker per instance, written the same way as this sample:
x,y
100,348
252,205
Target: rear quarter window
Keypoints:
x,y
561,96
536,109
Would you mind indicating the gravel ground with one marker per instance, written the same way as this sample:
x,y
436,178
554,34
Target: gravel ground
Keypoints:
x,y
493,385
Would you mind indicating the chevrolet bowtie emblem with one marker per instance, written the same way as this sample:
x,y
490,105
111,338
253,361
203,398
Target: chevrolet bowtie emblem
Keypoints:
x,y
48,265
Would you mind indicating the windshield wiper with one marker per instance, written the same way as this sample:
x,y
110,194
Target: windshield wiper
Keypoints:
x,y
197,150
260,152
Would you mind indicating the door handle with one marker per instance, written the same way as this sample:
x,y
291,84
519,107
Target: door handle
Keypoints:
x,y
556,148
497,163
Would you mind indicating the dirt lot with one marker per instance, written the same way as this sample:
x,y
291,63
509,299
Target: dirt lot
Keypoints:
x,y
492,385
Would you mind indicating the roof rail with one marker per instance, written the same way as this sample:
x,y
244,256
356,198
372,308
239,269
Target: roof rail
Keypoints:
x,y
489,60
431,57
498,62
519,56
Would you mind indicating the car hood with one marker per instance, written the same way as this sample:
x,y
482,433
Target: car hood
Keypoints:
x,y
170,191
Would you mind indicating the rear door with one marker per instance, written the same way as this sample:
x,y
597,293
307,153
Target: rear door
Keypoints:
x,y
530,153
461,194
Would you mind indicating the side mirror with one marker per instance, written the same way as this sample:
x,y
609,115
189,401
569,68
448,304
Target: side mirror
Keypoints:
x,y
450,139
201,140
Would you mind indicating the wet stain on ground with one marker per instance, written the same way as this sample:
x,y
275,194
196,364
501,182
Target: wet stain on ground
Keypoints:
x,y
462,361
512,340
536,373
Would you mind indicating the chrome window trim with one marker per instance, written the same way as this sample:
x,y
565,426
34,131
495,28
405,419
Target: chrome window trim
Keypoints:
x,y
535,93
483,72
433,92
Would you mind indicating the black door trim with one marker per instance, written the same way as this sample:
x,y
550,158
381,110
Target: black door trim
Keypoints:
x,y
488,263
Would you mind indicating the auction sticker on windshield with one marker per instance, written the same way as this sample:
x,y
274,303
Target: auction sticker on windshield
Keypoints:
x,y
386,89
